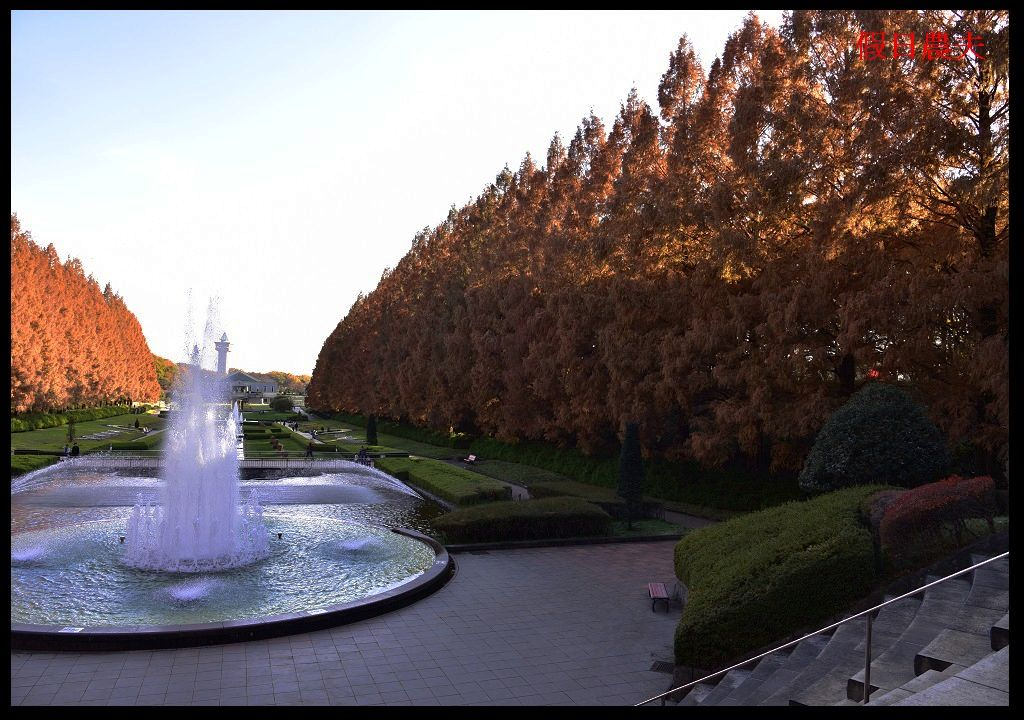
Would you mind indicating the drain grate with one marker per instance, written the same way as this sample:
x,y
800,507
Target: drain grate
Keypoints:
x,y
663,667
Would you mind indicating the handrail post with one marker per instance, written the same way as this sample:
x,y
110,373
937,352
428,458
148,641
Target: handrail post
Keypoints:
x,y
867,662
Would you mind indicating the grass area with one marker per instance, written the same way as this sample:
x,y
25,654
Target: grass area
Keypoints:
x,y
386,443
648,526
263,445
527,475
54,438
450,483
27,463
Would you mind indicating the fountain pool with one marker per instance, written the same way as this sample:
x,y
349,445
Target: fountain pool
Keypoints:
x,y
193,555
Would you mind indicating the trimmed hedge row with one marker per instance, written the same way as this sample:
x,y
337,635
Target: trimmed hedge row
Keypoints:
x,y
448,482
39,421
924,510
762,576
560,517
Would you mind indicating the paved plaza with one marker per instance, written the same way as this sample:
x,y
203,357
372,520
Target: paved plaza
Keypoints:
x,y
541,626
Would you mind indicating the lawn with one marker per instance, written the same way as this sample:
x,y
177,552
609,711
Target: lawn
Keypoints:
x,y
354,438
27,463
54,438
453,484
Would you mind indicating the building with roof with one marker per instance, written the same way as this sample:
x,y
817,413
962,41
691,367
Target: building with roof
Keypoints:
x,y
244,386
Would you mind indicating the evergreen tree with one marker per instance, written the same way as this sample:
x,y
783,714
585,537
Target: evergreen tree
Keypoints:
x,y
371,430
631,473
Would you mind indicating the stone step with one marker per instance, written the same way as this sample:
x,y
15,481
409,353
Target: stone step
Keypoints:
x,y
802,655
952,646
919,683
984,683
993,573
940,607
732,680
1000,633
765,668
697,693
824,682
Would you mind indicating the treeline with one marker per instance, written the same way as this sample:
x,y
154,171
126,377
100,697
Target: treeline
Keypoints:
x,y
73,345
286,382
725,269
167,372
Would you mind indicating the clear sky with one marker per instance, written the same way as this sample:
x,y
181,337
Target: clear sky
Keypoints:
x,y
283,160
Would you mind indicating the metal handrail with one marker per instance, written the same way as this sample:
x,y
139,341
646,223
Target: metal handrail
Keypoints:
x,y
867,650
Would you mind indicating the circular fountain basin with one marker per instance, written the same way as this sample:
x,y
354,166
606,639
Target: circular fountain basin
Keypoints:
x,y
71,590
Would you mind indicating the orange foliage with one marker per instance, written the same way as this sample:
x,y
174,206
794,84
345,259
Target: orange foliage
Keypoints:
x,y
72,344
725,271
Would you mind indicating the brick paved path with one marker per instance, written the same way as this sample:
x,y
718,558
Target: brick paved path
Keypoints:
x,y
543,626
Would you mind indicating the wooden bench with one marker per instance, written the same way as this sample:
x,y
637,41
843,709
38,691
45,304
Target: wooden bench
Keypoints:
x,y
658,591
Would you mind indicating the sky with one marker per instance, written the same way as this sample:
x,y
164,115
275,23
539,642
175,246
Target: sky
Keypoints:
x,y
281,161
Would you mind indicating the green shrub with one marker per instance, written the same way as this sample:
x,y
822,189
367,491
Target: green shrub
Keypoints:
x,y
448,482
762,576
282,403
879,436
526,520
39,421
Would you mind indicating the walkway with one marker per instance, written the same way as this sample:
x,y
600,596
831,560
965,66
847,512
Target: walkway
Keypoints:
x,y
541,626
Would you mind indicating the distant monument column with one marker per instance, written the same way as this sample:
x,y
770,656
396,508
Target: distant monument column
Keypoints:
x,y
222,354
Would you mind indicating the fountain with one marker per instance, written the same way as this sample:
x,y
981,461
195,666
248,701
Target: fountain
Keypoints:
x,y
107,558
198,526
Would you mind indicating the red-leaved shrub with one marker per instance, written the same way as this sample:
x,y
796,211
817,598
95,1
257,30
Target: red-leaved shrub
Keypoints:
x,y
924,510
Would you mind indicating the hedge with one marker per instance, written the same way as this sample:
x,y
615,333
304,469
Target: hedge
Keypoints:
x,y
448,482
39,421
924,510
760,577
561,517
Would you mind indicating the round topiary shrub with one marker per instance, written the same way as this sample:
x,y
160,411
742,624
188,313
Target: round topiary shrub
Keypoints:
x,y
281,403
880,436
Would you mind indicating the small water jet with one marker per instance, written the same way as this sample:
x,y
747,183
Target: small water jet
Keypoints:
x,y
192,591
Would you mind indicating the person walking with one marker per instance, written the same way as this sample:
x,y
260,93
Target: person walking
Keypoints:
x,y
75,450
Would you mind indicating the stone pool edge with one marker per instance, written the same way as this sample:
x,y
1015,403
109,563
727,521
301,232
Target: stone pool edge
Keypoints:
x,y
152,637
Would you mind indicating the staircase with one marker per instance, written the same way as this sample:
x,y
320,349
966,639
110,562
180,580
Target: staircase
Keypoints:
x,y
948,645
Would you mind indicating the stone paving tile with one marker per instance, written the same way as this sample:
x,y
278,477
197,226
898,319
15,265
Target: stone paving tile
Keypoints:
x,y
499,633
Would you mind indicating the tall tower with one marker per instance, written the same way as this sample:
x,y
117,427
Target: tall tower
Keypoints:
x,y
222,354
